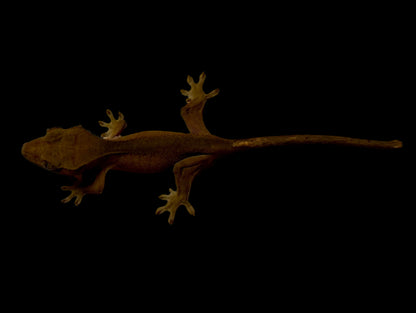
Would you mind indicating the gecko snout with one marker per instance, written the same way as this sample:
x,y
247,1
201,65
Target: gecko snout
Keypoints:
x,y
29,152
25,150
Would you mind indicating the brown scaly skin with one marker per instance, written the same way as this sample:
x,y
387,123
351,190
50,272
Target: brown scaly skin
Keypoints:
x,y
77,152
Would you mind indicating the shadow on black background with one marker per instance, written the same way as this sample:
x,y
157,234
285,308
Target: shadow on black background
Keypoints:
x,y
329,213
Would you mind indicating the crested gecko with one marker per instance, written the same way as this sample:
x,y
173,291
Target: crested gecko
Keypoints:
x,y
77,152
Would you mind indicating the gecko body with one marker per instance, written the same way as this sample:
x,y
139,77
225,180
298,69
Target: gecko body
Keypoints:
x,y
78,153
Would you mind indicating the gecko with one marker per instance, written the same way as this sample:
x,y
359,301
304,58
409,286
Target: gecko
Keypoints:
x,y
78,153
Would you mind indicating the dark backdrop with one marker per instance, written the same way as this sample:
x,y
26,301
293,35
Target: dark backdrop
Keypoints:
x,y
320,213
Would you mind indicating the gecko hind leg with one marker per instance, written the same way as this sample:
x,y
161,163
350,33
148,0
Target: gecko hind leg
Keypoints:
x,y
115,126
195,102
185,172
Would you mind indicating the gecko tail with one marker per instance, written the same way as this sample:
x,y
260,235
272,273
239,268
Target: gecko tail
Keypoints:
x,y
272,141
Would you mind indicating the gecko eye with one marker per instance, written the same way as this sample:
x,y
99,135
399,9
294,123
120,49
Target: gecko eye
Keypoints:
x,y
53,134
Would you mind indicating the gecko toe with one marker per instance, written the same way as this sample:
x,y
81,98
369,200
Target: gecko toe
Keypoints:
x,y
76,192
78,200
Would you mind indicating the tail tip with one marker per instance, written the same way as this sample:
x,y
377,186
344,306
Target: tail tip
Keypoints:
x,y
396,144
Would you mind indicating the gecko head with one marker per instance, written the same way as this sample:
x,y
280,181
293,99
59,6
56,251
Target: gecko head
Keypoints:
x,y
42,151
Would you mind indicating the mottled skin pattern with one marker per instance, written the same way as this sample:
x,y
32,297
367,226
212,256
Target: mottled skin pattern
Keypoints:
x,y
77,152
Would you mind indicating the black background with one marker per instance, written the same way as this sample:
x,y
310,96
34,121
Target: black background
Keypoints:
x,y
297,217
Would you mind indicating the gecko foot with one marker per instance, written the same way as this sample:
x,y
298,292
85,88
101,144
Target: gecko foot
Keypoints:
x,y
196,93
76,192
115,127
173,203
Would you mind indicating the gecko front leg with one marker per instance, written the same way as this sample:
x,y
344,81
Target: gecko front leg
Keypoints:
x,y
78,192
185,172
115,126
